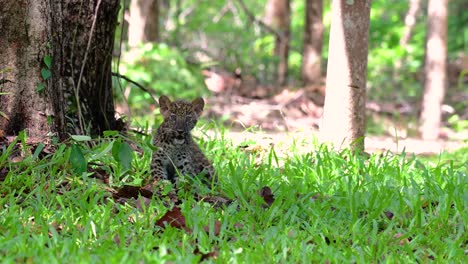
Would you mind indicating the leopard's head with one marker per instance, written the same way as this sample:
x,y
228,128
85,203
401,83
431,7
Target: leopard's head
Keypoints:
x,y
180,117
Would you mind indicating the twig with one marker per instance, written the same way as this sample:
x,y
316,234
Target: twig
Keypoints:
x,y
221,13
3,81
116,74
77,96
235,13
252,18
124,3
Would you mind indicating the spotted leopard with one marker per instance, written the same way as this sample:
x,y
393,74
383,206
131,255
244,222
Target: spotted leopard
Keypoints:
x,y
176,152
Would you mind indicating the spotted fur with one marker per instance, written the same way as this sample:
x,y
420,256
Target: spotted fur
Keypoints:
x,y
177,153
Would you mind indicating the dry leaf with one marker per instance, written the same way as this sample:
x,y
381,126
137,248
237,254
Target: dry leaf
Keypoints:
x,y
267,195
173,218
217,228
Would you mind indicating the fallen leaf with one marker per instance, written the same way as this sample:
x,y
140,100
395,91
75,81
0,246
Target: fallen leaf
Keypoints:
x,y
100,174
129,191
217,228
389,215
267,195
117,240
3,173
142,202
173,218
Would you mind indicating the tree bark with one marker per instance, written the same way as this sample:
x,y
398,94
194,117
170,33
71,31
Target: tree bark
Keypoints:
x,y
78,96
434,69
144,22
278,16
23,45
344,110
313,40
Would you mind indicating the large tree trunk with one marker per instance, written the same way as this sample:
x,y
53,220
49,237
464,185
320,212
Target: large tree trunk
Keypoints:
x,y
344,110
143,22
78,96
435,69
23,46
313,40
278,16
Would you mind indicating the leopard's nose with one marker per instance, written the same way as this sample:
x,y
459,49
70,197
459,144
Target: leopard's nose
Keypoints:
x,y
180,131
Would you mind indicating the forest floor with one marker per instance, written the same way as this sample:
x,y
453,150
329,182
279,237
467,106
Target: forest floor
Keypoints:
x,y
293,117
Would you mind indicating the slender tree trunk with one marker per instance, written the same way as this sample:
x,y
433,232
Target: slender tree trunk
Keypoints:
x,y
313,42
77,96
278,16
144,22
344,110
434,69
410,22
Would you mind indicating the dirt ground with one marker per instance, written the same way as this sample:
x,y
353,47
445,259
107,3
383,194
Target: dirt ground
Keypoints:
x,y
293,117
305,140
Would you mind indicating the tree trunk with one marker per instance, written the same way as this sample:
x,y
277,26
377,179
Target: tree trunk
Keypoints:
x,y
23,46
344,110
434,69
278,16
143,22
313,40
78,94
410,22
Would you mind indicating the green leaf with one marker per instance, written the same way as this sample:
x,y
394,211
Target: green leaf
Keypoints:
x,y
8,69
104,152
110,133
77,160
122,153
45,73
38,150
80,138
40,87
4,116
48,61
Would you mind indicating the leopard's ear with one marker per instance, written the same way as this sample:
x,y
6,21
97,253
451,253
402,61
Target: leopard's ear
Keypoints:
x,y
198,105
164,103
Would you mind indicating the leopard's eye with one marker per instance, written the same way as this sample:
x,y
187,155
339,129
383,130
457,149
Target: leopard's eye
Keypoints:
x,y
173,117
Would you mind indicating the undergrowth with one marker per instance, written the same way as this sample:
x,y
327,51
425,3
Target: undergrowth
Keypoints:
x,y
325,206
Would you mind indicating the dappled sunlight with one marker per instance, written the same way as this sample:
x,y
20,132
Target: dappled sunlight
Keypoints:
x,y
305,140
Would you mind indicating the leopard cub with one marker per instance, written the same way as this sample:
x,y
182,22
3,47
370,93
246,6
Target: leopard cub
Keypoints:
x,y
177,153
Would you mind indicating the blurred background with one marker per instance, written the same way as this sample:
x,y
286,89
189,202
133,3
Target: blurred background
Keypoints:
x,y
263,63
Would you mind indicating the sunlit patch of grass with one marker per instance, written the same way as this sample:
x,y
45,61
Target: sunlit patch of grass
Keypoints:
x,y
328,206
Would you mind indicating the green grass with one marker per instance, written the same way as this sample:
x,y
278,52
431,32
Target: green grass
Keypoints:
x,y
328,206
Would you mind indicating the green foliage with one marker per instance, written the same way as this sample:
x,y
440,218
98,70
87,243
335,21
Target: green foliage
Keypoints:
x,y
123,154
457,123
163,70
199,34
77,160
230,39
327,205
45,73
2,114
